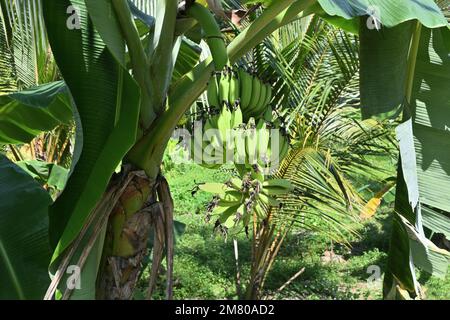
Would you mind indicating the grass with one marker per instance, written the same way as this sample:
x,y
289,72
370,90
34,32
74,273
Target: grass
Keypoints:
x,y
204,266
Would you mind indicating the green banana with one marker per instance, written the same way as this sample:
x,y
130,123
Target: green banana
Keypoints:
x,y
218,210
231,198
246,84
224,121
260,107
213,149
257,173
213,92
197,155
236,118
259,210
268,96
251,142
268,201
241,213
231,220
224,127
215,188
236,122
239,145
213,120
281,183
224,87
263,139
210,129
268,114
234,94
256,91
227,216
213,35
235,183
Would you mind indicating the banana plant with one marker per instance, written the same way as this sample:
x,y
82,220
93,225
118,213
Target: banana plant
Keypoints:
x,y
119,69
417,94
131,116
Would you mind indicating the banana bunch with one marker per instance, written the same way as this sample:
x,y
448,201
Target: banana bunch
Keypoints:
x,y
257,144
238,199
255,95
213,144
223,88
238,87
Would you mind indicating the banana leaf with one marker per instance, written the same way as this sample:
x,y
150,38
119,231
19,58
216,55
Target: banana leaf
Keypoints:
x,y
24,248
45,173
424,174
383,59
107,100
390,13
25,114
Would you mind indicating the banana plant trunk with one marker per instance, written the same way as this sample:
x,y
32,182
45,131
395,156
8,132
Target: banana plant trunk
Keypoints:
x,y
146,203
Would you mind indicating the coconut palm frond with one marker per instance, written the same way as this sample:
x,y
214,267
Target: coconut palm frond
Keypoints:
x,y
25,43
8,81
323,199
317,92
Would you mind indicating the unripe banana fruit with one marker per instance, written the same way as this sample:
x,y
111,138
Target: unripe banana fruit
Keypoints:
x,y
246,84
213,92
236,201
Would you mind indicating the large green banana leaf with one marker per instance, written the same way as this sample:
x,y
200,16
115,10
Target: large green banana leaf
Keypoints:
x,y
383,59
25,114
107,100
427,172
384,52
431,120
24,248
390,13
424,172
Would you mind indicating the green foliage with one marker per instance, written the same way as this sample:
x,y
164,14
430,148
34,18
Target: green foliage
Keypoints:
x,y
24,248
422,93
183,179
387,51
97,83
390,13
107,100
25,49
25,114
49,174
